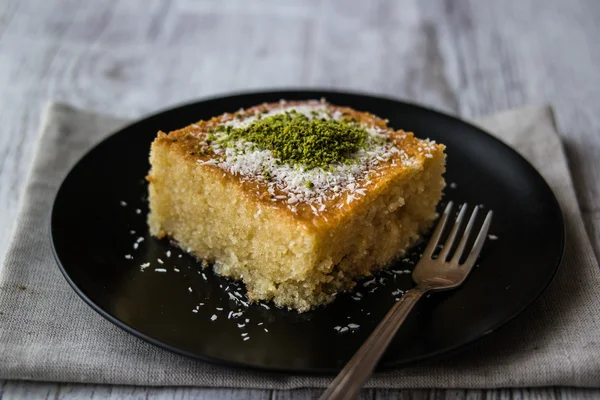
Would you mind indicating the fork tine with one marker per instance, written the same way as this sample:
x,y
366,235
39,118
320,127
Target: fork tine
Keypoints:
x,y
452,236
463,241
480,240
435,238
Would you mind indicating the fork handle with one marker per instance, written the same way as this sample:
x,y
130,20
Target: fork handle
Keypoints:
x,y
350,380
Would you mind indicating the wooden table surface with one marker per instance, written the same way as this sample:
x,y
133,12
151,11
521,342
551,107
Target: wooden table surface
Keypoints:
x,y
465,57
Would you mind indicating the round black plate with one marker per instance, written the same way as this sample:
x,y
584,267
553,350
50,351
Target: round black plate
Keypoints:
x,y
92,232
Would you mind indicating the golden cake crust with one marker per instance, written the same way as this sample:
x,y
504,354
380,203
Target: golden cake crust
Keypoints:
x,y
186,141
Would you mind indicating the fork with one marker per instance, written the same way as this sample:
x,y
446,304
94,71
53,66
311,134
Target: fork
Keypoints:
x,y
430,274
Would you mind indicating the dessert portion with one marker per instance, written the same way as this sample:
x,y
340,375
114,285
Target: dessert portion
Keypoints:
x,y
298,199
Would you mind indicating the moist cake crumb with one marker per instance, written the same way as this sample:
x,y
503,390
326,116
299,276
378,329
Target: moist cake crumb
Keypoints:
x,y
298,200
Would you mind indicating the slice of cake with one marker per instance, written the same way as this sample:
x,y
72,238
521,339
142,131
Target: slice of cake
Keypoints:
x,y
297,199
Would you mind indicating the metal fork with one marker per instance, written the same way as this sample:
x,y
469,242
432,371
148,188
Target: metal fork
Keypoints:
x,y
430,274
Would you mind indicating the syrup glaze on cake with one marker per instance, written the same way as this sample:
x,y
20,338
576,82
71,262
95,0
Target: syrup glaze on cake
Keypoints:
x,y
312,193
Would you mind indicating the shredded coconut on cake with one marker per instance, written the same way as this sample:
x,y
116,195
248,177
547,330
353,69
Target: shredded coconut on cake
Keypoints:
x,y
295,184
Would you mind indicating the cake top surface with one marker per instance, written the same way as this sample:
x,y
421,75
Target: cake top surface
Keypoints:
x,y
306,156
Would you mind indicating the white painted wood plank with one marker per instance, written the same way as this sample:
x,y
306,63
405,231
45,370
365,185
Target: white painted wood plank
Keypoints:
x,y
36,390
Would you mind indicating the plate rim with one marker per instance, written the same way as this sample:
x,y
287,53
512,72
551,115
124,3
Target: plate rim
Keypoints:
x,y
324,92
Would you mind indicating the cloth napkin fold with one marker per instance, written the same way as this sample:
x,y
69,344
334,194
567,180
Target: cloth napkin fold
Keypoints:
x,y
48,333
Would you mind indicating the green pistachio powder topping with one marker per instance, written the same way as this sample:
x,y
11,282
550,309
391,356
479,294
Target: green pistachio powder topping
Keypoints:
x,y
297,139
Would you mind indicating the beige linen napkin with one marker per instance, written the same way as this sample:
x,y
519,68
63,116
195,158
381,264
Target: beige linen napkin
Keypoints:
x,y
48,333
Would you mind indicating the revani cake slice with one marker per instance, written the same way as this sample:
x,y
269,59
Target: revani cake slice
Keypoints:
x,y
298,199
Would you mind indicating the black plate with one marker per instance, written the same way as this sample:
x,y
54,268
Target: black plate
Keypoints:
x,y
91,235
